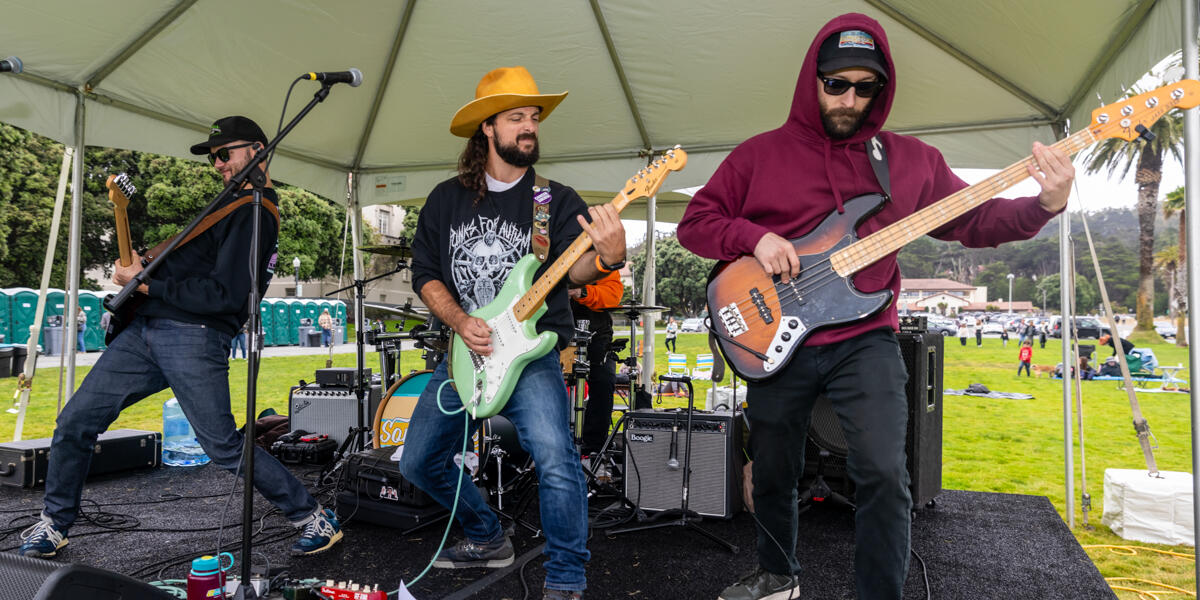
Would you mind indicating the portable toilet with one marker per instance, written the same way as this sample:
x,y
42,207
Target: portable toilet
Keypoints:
x,y
296,311
266,322
92,304
22,310
312,310
281,320
5,316
339,316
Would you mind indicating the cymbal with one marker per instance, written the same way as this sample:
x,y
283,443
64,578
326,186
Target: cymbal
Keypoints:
x,y
405,311
632,308
397,250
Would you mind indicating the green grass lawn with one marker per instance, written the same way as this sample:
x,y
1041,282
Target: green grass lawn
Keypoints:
x,y
1010,446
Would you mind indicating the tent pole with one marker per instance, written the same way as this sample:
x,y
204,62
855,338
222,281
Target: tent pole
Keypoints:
x,y
648,299
25,384
70,331
1066,295
1191,141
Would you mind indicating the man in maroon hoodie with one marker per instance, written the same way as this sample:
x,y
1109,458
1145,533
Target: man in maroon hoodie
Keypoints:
x,y
779,185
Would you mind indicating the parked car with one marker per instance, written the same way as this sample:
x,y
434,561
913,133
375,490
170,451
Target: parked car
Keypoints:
x,y
692,325
942,325
993,328
1166,330
1087,327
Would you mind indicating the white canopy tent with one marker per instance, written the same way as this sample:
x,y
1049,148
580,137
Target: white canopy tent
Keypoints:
x,y
979,80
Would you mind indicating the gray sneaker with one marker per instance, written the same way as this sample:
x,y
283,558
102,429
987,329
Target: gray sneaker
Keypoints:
x,y
549,594
762,585
468,554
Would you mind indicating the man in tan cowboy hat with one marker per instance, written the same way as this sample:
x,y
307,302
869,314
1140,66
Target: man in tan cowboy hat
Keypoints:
x,y
471,232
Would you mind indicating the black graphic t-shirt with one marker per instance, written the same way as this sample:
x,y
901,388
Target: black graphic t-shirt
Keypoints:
x,y
471,248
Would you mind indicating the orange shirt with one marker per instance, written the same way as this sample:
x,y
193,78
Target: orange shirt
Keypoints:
x,y
605,293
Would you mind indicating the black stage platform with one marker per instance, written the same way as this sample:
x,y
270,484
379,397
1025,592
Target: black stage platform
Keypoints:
x,y
974,545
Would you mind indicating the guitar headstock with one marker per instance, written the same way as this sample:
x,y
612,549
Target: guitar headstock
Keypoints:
x,y
647,180
1128,118
120,188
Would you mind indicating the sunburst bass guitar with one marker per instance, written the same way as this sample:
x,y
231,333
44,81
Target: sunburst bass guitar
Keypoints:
x,y
759,321
484,383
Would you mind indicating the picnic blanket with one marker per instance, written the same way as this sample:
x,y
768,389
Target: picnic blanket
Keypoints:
x,y
978,389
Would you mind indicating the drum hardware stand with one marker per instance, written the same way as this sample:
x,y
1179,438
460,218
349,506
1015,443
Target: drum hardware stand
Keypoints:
x,y
522,484
360,331
682,517
819,490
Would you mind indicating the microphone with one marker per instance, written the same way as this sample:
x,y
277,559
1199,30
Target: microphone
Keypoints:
x,y
352,77
673,462
11,64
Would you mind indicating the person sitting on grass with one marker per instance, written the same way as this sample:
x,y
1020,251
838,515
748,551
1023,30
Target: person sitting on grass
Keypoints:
x,y
1026,357
1110,368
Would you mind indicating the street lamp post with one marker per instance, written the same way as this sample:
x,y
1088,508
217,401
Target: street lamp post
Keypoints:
x,y
296,273
1010,278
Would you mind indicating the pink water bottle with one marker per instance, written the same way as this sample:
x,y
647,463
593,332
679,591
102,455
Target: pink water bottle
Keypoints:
x,y
206,580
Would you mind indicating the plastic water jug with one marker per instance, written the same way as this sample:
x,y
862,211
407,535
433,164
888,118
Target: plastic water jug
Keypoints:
x,y
180,448
206,580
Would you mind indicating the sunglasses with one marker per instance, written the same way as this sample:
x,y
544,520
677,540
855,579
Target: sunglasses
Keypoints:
x,y
862,89
222,154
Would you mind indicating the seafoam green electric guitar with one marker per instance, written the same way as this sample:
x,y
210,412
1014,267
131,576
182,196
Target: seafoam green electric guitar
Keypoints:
x,y
485,382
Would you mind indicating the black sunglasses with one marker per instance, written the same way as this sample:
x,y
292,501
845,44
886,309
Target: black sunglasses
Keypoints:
x,y
223,153
862,89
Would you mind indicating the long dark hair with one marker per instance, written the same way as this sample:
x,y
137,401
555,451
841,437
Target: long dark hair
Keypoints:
x,y
472,161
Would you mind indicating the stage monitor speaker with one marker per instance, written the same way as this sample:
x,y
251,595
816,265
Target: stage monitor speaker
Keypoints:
x,y
36,579
716,462
330,410
923,357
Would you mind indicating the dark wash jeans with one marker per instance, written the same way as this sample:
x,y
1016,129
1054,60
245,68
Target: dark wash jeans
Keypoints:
x,y
148,356
864,379
538,410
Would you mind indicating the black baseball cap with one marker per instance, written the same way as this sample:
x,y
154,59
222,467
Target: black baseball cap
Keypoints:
x,y
848,49
231,129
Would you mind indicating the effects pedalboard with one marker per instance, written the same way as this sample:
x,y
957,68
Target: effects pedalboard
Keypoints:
x,y
348,590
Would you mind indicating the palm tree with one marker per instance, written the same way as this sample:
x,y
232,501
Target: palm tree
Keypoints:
x,y
1118,156
1166,261
1175,204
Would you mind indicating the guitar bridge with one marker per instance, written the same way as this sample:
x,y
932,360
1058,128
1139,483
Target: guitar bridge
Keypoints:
x,y
732,318
761,304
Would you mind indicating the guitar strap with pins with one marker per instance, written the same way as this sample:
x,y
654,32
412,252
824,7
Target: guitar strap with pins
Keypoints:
x,y
878,156
539,239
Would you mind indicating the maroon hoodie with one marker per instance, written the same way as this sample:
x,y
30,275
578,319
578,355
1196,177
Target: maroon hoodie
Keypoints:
x,y
789,179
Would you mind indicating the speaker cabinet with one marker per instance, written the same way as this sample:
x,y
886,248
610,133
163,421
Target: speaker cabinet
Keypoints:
x,y
715,463
923,357
330,410
44,580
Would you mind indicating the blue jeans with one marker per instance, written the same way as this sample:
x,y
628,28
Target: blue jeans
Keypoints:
x,y
239,341
326,337
148,356
79,344
864,378
538,410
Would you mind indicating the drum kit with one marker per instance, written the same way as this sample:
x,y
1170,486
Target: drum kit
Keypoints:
x,y
500,467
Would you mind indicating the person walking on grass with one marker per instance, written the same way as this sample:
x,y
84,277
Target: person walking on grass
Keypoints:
x,y
672,332
1004,336
978,332
1026,357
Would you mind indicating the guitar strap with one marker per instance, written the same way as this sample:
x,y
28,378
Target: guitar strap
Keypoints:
x,y
212,219
878,156
539,239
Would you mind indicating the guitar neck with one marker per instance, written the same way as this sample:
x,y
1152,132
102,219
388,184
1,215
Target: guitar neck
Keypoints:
x,y
536,295
124,245
870,249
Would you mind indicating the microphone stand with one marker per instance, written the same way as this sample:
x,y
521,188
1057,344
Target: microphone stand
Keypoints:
x,y
257,179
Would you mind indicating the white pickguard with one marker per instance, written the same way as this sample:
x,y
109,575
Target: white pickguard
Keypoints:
x,y
509,343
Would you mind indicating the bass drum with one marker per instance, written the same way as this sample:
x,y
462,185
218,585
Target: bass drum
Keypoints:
x,y
502,460
396,409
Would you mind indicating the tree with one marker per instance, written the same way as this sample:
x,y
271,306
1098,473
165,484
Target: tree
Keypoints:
x,y
411,213
1175,204
995,277
681,278
1118,156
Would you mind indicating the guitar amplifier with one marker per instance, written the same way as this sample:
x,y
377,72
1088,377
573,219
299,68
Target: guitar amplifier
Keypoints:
x,y
24,463
716,461
330,409
923,357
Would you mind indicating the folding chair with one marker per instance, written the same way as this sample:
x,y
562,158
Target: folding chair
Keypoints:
x,y
704,367
677,364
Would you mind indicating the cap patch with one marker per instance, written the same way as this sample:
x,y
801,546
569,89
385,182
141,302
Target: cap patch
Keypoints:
x,y
856,39
214,130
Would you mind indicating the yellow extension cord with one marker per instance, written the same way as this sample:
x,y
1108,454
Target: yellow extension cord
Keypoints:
x,y
1143,594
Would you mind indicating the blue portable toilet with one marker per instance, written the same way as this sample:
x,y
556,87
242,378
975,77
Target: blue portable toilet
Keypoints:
x,y
312,310
296,311
23,311
92,303
5,316
266,316
339,312
281,320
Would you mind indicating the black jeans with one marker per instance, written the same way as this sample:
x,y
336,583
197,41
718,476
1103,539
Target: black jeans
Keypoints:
x,y
670,343
864,379
597,416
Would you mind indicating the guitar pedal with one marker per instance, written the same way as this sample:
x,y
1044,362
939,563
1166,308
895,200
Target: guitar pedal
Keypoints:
x,y
348,590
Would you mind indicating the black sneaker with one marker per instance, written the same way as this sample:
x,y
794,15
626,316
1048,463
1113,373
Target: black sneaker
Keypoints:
x,y
549,594
762,585
468,554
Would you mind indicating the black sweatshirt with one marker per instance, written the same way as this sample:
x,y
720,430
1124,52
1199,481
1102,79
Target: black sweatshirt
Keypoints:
x,y
471,248
207,280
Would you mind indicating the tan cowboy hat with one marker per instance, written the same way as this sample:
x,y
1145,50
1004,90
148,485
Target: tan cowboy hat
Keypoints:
x,y
500,90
